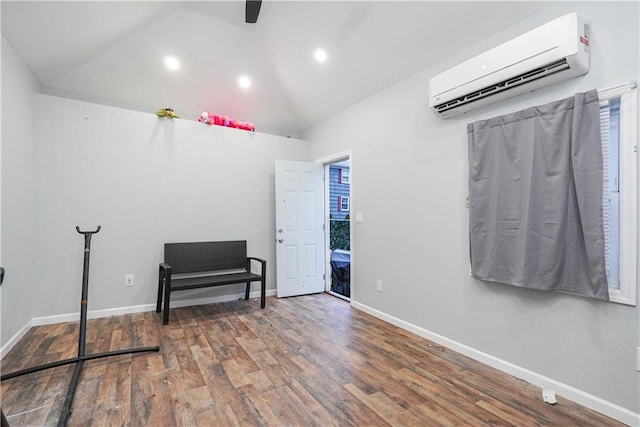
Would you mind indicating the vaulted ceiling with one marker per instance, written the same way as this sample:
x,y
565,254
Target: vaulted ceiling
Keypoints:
x,y
112,52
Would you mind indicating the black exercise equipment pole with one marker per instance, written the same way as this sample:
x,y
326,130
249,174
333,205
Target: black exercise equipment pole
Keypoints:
x,y
85,288
82,336
82,357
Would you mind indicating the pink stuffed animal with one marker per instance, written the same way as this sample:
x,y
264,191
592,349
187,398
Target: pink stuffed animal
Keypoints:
x,y
214,119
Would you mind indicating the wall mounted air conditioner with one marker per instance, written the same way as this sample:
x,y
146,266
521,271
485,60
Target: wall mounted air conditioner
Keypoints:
x,y
555,51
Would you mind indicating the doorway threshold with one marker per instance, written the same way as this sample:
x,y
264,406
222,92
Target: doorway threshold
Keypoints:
x,y
337,295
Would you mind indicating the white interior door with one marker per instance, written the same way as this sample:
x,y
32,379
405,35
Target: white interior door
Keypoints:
x,y
299,231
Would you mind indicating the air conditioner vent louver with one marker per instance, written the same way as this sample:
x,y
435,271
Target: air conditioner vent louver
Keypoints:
x,y
504,85
553,52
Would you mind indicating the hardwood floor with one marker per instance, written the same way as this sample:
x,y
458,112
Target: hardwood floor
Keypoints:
x,y
304,361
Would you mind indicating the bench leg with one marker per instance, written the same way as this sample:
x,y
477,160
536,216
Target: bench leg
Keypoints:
x,y
263,292
167,297
246,293
160,289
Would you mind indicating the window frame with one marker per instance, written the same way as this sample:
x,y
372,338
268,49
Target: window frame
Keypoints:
x,y
341,176
626,293
341,200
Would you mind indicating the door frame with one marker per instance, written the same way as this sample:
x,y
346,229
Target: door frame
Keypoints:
x,y
326,161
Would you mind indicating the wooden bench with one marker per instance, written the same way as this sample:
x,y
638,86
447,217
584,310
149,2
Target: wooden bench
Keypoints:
x,y
217,263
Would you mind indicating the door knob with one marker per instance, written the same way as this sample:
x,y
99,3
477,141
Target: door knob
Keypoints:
x,y
280,240
279,230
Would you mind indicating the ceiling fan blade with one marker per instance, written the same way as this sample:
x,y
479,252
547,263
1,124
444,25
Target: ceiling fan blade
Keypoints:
x,y
251,11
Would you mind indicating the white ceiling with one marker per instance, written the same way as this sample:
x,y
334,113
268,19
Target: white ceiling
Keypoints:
x,y
111,52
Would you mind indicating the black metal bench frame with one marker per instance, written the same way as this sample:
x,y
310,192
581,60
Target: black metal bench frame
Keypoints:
x,y
214,260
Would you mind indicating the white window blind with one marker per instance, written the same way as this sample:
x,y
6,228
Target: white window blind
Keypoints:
x,y
618,126
609,125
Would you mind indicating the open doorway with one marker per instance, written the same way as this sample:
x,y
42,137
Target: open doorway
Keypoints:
x,y
313,243
338,231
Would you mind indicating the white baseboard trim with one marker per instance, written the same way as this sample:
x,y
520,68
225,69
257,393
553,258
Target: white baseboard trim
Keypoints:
x,y
222,298
581,397
95,314
15,338
175,303
91,314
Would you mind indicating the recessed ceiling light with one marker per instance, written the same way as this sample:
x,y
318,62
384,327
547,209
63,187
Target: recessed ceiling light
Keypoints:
x,y
171,63
320,55
244,82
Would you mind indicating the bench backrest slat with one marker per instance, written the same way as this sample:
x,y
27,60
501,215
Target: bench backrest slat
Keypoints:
x,y
205,256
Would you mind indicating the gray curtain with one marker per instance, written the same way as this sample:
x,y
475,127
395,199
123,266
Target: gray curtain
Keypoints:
x,y
535,195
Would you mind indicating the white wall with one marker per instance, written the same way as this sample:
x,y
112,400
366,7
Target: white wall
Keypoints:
x,y
146,181
409,179
18,184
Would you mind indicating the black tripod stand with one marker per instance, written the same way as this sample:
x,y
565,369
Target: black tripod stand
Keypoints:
x,y
79,361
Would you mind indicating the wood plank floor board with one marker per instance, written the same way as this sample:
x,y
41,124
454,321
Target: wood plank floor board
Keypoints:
x,y
141,407
319,413
346,409
400,393
443,416
439,391
277,375
286,405
513,405
243,409
265,412
303,361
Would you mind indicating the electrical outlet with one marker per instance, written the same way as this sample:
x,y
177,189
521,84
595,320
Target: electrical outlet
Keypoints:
x,y
379,285
128,279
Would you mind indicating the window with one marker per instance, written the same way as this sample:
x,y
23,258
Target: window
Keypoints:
x,y
343,176
618,112
343,204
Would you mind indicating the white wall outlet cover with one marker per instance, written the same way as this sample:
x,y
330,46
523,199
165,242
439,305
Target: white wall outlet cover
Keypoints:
x,y
549,396
128,280
358,216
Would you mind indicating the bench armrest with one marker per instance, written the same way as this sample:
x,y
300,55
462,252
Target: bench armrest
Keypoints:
x,y
261,261
166,268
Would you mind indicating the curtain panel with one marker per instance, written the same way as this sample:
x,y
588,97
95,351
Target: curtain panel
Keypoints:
x,y
535,195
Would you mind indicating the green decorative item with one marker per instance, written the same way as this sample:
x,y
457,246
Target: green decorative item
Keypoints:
x,y
339,234
167,112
